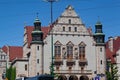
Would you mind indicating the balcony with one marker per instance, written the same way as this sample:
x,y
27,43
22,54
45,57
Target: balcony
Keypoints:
x,y
83,62
86,72
58,60
70,60
70,63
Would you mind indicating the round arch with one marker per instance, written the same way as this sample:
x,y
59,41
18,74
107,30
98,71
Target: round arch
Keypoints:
x,y
84,78
73,77
62,77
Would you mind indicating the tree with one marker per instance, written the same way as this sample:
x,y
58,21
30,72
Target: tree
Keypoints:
x,y
11,73
111,72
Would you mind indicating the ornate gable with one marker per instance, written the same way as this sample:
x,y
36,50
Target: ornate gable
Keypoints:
x,y
70,22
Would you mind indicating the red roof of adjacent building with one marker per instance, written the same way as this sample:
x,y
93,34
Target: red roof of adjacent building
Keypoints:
x,y
29,30
17,51
13,52
109,55
116,46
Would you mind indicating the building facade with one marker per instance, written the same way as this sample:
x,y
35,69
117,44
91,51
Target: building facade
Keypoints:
x,y
113,52
15,58
78,53
3,64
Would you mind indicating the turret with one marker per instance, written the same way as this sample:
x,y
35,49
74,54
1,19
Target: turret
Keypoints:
x,y
37,34
99,36
36,60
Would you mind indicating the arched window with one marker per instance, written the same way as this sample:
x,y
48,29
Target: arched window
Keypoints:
x,y
63,28
70,49
69,29
75,29
57,47
82,49
69,21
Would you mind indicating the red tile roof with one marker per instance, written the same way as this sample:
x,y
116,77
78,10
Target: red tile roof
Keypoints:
x,y
17,51
116,44
13,52
109,55
29,30
116,47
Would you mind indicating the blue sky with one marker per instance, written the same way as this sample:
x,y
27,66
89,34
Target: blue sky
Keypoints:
x,y
15,14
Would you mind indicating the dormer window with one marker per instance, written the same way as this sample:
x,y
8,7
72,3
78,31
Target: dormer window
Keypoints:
x,y
69,21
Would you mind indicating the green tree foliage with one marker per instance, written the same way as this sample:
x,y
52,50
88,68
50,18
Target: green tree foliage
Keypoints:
x,y
111,73
11,73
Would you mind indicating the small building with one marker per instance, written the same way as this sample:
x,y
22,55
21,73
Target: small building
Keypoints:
x,y
3,63
113,51
15,54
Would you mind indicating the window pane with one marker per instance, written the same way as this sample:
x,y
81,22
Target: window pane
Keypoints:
x,y
75,29
57,49
69,28
69,21
69,50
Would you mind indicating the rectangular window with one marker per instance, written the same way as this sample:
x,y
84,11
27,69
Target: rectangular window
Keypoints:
x,y
69,28
69,21
25,67
100,49
75,29
63,28
69,49
57,49
101,62
82,50
38,61
37,47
